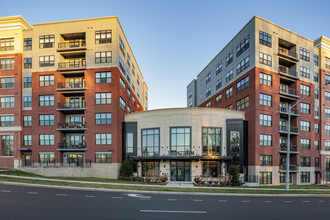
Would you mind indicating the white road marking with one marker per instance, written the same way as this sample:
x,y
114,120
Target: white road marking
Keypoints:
x,y
139,196
267,201
172,199
246,201
321,200
287,201
5,191
197,200
306,201
33,193
89,196
172,211
117,197
61,194
222,200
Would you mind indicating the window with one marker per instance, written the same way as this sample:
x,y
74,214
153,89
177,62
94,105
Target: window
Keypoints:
x,y
129,93
316,128
327,112
229,75
27,120
103,98
327,62
304,108
46,100
244,83
27,101
47,80
316,111
327,96
327,78
27,140
208,77
265,39
103,157
265,177
46,139
265,59
243,65
208,105
103,37
243,103
122,103
243,46
211,141
265,120
304,54
218,84
152,167
305,161
305,177
122,66
180,141
103,77
7,143
103,118
304,72
46,41
27,82
7,44
138,79
316,60
46,61
7,102
211,169
265,140
316,77
27,44
46,157
316,145
229,58
304,90
103,139
46,120
218,98
229,92
218,68
266,160
327,129
305,126
7,121
265,79
7,83
316,94
122,46
6,64
305,143
317,162
27,63
122,84
150,142
265,99
327,145
103,57
283,178
208,92
229,107
129,109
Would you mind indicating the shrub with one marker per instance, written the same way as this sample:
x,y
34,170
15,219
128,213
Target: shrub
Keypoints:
x,y
126,169
234,173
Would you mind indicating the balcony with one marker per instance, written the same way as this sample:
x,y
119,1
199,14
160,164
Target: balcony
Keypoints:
x,y
292,168
289,54
293,149
77,65
71,45
289,92
71,107
68,146
284,112
284,71
71,87
72,127
283,129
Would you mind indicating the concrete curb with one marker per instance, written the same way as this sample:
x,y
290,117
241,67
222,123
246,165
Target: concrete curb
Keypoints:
x,y
161,192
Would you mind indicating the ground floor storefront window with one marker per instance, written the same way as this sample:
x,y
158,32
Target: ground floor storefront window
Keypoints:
x,y
265,177
152,166
283,177
211,169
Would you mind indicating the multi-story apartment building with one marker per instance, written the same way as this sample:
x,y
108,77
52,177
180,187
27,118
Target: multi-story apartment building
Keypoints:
x,y
65,88
262,70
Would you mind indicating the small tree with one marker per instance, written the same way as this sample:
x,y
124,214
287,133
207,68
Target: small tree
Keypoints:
x,y
126,169
234,172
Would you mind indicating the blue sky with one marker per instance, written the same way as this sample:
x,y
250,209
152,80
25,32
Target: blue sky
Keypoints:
x,y
174,40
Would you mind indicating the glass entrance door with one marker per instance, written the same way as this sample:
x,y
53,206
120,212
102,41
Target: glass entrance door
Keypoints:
x,y
180,170
28,160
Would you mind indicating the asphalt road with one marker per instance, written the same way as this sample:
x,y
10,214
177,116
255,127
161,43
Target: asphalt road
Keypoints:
x,y
23,202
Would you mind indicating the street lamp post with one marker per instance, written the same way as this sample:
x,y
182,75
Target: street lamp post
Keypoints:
x,y
289,133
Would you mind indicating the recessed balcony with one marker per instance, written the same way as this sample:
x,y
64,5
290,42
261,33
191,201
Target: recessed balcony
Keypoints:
x,y
289,92
71,87
289,54
76,65
283,129
71,107
72,127
284,148
292,168
284,112
291,73
68,146
71,45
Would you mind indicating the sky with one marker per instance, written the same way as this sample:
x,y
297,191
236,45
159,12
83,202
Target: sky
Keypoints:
x,y
173,40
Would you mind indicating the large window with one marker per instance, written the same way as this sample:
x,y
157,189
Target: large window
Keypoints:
x,y
129,146
47,80
243,46
305,72
103,98
316,60
243,65
326,145
243,103
103,157
151,167
304,108
150,142
265,99
6,64
46,157
103,139
327,129
46,41
27,140
304,90
265,39
305,126
327,96
46,61
103,77
218,84
211,168
122,46
27,101
265,120
103,57
305,177
46,139
27,82
7,121
27,63
316,128
265,140
316,77
229,92
265,177
304,54
208,92
265,59
180,141
46,100
7,44
244,83
266,160
7,102
211,142
218,68
27,44
229,58
102,118
27,120
46,120
305,143
229,75
7,82
7,143
208,77
305,161
122,103
103,37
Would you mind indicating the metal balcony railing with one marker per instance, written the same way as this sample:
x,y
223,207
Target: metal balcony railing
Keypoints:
x,y
72,44
284,128
70,125
74,105
72,65
181,153
284,147
287,71
70,145
284,51
291,167
57,163
71,85
286,110
289,91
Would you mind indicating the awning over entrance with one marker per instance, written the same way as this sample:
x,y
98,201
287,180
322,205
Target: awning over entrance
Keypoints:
x,y
24,149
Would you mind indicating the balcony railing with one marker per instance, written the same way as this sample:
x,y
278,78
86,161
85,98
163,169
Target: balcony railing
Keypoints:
x,y
57,163
284,147
292,167
181,153
72,65
289,91
69,145
71,85
294,111
287,71
284,51
71,125
72,44
284,128
71,105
